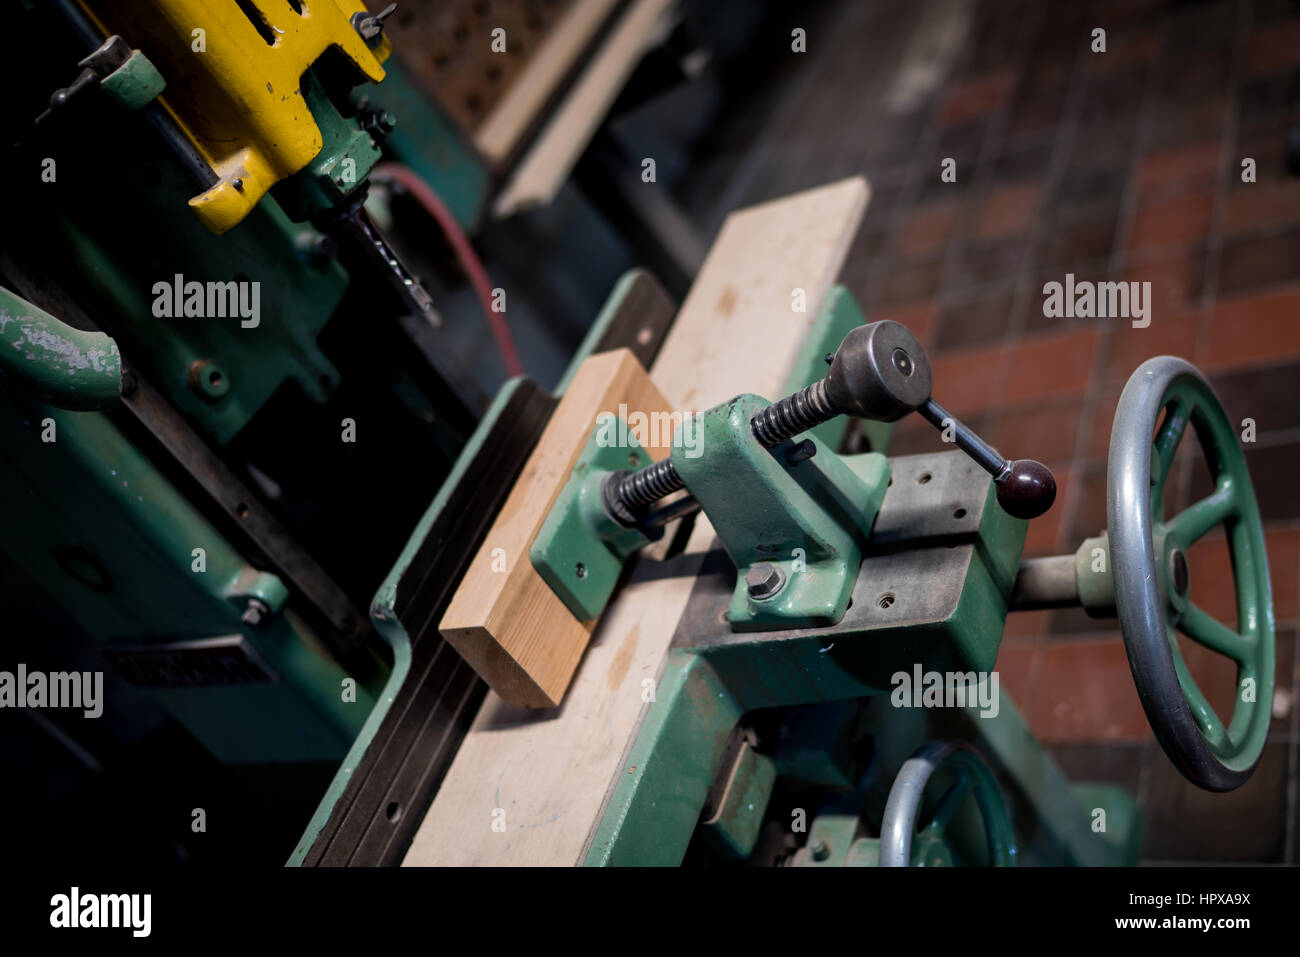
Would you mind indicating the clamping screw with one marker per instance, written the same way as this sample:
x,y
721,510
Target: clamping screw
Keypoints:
x,y
880,371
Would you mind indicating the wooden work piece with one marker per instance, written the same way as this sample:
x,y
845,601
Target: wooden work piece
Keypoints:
x,y
504,619
528,787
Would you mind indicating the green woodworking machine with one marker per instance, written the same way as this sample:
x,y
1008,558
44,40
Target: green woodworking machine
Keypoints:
x,y
243,477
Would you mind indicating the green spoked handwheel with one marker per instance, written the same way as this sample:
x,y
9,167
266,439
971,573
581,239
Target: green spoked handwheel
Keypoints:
x,y
1150,572
905,839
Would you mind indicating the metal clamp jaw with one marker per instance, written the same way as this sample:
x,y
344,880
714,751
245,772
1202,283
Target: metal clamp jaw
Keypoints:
x,y
794,516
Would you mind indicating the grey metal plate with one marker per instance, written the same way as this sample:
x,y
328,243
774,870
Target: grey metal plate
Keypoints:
x,y
921,547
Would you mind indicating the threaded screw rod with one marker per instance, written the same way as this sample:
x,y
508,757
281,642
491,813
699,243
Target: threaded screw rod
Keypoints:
x,y
770,426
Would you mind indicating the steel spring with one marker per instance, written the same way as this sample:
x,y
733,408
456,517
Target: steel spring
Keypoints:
x,y
793,414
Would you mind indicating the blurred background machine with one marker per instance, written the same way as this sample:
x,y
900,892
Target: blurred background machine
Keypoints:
x,y
162,513
225,501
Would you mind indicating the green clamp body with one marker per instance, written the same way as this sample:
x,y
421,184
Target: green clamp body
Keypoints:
x,y
806,517
808,520
579,550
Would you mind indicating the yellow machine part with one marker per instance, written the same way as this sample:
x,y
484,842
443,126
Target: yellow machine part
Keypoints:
x,y
235,94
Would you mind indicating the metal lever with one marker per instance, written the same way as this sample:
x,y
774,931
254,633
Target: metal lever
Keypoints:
x,y
1026,489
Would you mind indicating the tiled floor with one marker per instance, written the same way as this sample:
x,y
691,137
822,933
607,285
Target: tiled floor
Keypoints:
x,y
1123,165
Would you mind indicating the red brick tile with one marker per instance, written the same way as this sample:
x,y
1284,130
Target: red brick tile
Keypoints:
x,y
1251,207
977,97
1258,328
1177,279
1015,668
1024,629
1045,433
1103,416
1006,211
919,319
927,230
1211,568
1168,335
963,381
1054,365
1178,169
1180,221
1085,692
1273,50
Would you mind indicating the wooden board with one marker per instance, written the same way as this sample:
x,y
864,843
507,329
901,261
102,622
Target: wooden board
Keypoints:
x,y
504,619
543,778
547,165
511,116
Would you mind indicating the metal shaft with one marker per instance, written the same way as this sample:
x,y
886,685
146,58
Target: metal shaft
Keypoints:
x,y
986,456
771,426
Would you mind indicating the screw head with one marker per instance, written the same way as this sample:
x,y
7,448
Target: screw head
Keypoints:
x,y
254,611
820,851
764,580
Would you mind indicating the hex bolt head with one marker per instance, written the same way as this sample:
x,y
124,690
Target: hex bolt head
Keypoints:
x,y
764,580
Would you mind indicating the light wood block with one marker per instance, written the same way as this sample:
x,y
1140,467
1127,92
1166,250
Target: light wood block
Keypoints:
x,y
504,619
551,772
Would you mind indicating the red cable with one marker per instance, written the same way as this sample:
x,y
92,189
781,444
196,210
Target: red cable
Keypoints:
x,y
460,244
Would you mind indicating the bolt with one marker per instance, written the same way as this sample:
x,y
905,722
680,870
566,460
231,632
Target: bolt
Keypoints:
x,y
764,580
237,183
254,611
370,27
820,851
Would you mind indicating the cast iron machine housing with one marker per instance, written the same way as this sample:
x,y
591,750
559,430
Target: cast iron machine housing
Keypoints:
x,y
842,572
